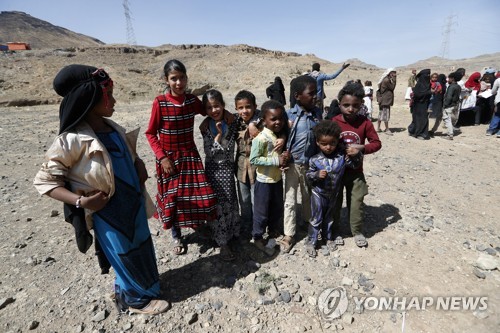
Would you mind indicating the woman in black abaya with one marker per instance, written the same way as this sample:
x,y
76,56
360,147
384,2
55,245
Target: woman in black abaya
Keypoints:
x,y
419,127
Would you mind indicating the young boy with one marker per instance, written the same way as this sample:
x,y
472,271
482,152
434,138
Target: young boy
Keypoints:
x,y
450,105
268,188
325,175
246,106
302,145
355,130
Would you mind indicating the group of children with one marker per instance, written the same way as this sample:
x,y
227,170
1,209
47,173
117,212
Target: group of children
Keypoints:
x,y
274,152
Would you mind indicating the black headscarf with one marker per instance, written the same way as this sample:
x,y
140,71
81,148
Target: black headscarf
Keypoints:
x,y
82,88
422,89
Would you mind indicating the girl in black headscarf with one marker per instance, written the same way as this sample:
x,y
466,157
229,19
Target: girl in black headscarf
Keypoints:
x,y
437,106
92,167
419,127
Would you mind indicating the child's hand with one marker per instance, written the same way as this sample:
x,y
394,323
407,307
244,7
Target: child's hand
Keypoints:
x,y
253,130
352,151
218,126
278,146
284,158
168,166
322,174
95,202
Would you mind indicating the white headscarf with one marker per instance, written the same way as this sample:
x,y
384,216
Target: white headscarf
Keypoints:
x,y
387,71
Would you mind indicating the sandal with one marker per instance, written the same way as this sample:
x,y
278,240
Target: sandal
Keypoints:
x,y
360,240
331,246
311,251
261,244
339,240
179,247
287,243
226,254
156,306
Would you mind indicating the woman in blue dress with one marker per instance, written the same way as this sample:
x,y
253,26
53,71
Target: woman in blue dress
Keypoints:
x,y
92,167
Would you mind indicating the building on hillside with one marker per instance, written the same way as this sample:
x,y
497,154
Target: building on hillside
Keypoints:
x,y
18,46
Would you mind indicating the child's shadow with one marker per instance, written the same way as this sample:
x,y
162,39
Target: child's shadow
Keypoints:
x,y
377,218
179,284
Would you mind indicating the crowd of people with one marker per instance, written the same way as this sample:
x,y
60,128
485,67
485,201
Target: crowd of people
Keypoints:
x,y
453,100
257,161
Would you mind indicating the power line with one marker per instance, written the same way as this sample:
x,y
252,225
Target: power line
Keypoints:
x,y
445,46
130,29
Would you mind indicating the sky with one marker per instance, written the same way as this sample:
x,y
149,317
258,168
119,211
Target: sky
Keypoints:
x,y
384,33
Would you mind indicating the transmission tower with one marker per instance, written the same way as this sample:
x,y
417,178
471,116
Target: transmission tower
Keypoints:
x,y
445,46
130,29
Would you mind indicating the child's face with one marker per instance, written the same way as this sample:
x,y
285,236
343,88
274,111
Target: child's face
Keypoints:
x,y
274,120
451,80
307,98
106,105
327,144
434,78
349,106
177,81
245,109
215,109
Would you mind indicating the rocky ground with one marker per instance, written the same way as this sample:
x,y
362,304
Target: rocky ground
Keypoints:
x,y
432,222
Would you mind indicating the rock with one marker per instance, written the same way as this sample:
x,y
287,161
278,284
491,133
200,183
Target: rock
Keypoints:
x,y
284,296
481,247
466,244
127,327
6,301
54,213
390,291
79,328
481,314
335,262
255,321
478,273
34,324
346,281
217,305
347,318
486,262
297,298
100,316
312,300
491,251
191,318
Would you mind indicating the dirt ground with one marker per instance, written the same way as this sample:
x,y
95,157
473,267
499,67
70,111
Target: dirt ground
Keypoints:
x,y
431,213
432,216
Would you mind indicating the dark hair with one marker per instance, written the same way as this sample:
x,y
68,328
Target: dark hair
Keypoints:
x,y
459,74
327,128
453,76
212,94
174,65
368,83
300,83
351,88
270,105
315,66
245,94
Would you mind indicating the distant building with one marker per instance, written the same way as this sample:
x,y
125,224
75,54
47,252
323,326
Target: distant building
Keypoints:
x,y
18,46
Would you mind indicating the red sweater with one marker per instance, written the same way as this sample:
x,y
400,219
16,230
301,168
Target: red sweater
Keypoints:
x,y
357,131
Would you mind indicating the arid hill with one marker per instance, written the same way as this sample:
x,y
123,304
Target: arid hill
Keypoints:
x,y
27,76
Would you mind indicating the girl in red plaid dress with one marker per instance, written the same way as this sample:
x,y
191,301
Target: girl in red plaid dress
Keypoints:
x,y
185,198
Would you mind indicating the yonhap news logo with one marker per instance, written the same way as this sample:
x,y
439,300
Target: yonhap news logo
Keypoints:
x,y
333,303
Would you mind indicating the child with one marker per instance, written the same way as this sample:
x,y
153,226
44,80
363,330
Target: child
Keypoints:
x,y
368,98
268,190
94,156
355,130
219,141
435,90
302,145
450,105
246,106
325,175
185,198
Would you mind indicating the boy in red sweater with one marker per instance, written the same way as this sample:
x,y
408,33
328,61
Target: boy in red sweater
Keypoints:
x,y
356,129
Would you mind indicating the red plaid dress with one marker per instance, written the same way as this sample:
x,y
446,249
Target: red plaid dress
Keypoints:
x,y
184,199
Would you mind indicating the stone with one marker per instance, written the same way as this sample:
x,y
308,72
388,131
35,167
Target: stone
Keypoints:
x,y
127,327
486,262
54,213
347,318
390,291
100,316
34,324
284,296
346,281
479,273
191,318
6,301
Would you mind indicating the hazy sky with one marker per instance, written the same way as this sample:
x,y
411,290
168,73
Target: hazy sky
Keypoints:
x,y
384,33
